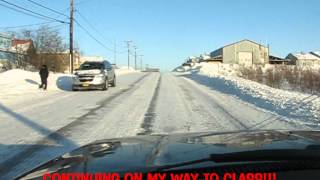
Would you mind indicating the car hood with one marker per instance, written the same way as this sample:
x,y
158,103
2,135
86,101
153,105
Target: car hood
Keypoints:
x,y
140,153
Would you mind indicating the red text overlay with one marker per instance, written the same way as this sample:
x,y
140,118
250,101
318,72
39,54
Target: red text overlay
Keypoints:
x,y
159,176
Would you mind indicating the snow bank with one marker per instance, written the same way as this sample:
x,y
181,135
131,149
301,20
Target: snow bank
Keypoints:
x,y
17,80
300,107
20,85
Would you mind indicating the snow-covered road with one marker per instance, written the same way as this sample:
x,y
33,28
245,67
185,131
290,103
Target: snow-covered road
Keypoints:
x,y
37,130
187,106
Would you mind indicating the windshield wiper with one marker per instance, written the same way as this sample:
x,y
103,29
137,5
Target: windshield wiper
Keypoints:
x,y
254,156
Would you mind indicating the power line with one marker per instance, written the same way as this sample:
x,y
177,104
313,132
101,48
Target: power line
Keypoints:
x,y
98,32
30,11
92,26
22,12
94,38
63,11
57,26
27,25
45,7
107,40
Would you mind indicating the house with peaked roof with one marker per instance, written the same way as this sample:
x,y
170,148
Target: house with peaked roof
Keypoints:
x,y
304,59
22,45
243,52
15,51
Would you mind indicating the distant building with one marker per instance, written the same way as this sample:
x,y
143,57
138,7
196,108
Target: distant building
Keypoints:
x,y
244,52
22,45
304,59
5,47
204,57
5,41
316,53
16,52
193,59
278,60
24,51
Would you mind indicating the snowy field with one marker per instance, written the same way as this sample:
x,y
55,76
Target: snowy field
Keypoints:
x,y
302,108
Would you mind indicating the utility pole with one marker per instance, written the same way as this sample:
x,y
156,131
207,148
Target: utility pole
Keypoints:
x,y
71,36
141,62
135,57
128,46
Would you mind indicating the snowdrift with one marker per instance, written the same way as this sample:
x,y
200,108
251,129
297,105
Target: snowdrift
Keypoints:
x,y
303,108
18,84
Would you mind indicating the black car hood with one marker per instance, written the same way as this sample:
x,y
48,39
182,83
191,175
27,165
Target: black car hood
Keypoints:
x,y
139,153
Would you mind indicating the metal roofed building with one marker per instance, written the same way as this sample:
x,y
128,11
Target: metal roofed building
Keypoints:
x,y
316,53
243,52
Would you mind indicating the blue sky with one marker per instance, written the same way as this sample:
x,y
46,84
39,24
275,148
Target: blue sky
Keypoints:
x,y
168,31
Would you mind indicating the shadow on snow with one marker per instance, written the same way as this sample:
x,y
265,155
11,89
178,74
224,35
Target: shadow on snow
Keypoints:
x,y
64,83
22,152
32,81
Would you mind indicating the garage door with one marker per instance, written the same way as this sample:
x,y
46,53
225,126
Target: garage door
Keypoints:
x,y
245,58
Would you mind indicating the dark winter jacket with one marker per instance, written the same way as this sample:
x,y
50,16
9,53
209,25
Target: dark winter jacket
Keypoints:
x,y
44,73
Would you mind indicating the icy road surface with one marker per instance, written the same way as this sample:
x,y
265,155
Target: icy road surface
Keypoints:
x,y
38,130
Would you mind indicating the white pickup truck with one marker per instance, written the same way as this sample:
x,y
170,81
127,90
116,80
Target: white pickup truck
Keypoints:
x,y
94,75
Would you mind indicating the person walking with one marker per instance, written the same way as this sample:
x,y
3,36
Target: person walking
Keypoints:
x,y
44,74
